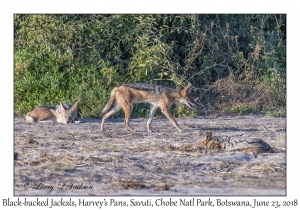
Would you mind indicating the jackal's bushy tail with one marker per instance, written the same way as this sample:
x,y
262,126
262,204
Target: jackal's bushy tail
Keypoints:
x,y
109,104
28,118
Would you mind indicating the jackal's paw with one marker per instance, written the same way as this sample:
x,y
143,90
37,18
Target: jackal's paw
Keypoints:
x,y
179,130
77,121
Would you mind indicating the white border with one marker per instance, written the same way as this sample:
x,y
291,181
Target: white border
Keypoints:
x,y
8,8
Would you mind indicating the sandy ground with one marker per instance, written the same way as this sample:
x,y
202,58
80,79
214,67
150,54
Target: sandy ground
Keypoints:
x,y
78,159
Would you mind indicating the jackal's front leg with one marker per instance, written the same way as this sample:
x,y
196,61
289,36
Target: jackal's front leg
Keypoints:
x,y
165,110
127,111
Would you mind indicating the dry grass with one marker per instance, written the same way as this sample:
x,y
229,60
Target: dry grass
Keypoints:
x,y
244,95
120,162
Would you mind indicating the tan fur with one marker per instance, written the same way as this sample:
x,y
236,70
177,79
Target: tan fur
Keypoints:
x,y
124,96
60,115
208,142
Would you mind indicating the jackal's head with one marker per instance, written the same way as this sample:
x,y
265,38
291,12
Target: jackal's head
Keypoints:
x,y
205,138
67,114
186,97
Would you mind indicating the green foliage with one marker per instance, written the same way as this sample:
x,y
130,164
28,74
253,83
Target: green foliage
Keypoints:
x,y
180,110
68,58
273,112
276,113
240,110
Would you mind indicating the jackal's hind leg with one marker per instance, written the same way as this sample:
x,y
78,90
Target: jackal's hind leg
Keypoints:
x,y
151,114
38,114
46,114
115,108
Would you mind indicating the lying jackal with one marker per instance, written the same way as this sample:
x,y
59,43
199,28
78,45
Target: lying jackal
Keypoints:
x,y
238,143
63,113
124,96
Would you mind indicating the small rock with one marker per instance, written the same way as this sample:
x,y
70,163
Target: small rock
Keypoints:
x,y
162,187
16,156
30,141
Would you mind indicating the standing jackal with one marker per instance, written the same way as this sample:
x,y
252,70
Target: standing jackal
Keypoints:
x,y
124,96
63,113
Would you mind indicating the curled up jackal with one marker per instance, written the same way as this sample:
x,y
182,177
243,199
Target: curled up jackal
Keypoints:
x,y
125,95
235,143
63,113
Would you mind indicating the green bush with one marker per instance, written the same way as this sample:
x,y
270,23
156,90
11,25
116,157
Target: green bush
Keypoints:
x,y
68,58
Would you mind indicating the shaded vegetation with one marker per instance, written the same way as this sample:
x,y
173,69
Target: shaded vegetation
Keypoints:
x,y
235,63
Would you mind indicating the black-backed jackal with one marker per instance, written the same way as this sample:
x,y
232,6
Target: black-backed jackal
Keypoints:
x,y
235,143
124,96
63,113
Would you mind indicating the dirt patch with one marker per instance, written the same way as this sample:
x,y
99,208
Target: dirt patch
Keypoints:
x,y
78,159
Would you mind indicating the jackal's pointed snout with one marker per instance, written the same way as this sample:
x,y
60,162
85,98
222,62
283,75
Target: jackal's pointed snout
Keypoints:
x,y
192,104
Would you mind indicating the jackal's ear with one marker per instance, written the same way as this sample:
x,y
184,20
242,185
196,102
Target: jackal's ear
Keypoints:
x,y
63,106
188,88
74,107
210,134
207,135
